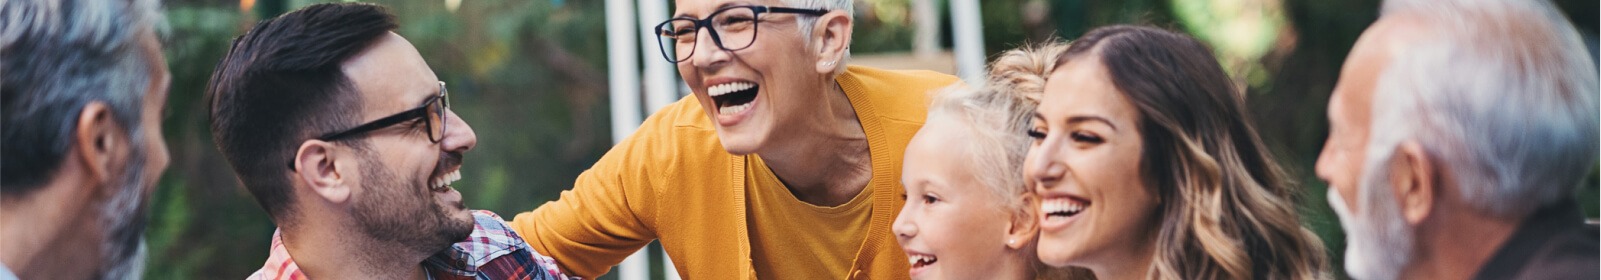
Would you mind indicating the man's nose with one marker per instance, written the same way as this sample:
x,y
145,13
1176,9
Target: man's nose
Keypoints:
x,y
459,136
1324,167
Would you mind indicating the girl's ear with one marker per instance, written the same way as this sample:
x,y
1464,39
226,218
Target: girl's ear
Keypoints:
x,y
1023,226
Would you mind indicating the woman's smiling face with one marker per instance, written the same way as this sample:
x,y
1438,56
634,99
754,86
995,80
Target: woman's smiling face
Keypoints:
x,y
1095,207
752,94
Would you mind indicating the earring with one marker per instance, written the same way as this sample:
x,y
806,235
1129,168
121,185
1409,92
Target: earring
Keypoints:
x,y
1011,241
830,63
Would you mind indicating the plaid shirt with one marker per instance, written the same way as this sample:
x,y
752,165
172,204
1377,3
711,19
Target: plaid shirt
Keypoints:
x,y
492,252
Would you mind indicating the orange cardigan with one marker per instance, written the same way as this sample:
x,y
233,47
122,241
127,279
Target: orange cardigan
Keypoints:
x,y
671,180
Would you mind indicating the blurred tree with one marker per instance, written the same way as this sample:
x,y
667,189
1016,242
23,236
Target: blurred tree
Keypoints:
x,y
203,224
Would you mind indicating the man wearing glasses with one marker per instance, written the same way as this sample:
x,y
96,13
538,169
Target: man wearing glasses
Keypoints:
x,y
371,150
783,164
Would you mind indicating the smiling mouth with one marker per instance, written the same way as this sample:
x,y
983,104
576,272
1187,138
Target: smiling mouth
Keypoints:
x,y
918,261
442,183
1060,208
733,98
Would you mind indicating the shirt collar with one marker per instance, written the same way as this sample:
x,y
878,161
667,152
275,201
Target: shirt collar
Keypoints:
x,y
1531,236
279,264
491,238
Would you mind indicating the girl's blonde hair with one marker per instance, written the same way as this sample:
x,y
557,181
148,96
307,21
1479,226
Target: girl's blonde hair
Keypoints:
x,y
995,118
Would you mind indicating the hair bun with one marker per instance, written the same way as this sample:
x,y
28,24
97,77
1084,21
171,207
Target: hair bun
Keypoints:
x,y
1023,70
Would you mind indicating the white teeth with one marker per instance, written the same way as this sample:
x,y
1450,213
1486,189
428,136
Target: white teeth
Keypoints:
x,y
720,90
734,109
445,180
916,260
1062,206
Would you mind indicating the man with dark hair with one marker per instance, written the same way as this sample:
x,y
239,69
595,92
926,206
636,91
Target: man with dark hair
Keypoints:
x,y
343,134
84,86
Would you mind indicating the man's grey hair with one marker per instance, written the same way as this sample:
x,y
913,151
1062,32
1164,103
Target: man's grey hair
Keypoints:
x,y
1500,93
57,56
806,22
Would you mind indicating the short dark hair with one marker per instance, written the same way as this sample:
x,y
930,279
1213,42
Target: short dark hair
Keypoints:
x,y
58,58
281,83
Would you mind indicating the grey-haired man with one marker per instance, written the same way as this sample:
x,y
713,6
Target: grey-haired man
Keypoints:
x,y
84,86
1459,131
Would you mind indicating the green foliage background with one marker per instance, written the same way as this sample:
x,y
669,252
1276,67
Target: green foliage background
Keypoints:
x,y
530,77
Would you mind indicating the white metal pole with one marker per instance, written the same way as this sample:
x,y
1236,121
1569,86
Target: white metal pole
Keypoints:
x,y
622,68
667,266
635,267
623,71
660,90
925,42
659,87
967,27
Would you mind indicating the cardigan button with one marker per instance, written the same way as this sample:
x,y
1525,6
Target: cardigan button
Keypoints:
x,y
857,274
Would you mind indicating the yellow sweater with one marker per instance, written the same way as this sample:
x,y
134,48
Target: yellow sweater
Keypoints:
x,y
671,180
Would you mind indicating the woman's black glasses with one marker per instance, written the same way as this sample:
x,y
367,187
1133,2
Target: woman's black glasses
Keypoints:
x,y
732,29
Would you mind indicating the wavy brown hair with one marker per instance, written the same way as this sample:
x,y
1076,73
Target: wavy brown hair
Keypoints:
x,y
1227,211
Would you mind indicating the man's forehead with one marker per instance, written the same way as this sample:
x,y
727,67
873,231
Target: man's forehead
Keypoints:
x,y
390,75
1367,60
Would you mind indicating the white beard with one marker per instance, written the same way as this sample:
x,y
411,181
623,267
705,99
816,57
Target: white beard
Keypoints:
x,y
1379,243
132,267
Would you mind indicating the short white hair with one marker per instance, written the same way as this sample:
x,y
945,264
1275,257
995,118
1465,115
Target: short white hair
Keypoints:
x,y
849,6
805,23
1501,93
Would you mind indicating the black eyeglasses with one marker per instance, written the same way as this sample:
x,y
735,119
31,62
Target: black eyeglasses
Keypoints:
x,y
432,112
732,29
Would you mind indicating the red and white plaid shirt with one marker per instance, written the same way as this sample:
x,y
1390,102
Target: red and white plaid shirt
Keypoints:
x,y
492,252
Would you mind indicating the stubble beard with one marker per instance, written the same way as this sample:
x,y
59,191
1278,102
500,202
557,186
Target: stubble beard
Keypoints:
x,y
405,214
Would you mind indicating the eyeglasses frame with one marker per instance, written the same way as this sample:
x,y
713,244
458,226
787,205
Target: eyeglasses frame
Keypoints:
x,y
706,23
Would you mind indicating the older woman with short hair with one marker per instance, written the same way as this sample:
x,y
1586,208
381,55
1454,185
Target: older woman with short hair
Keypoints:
x,y
783,164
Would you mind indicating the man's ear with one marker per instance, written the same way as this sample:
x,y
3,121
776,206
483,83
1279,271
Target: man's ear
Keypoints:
x,y
1023,226
102,145
1413,174
317,168
832,36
